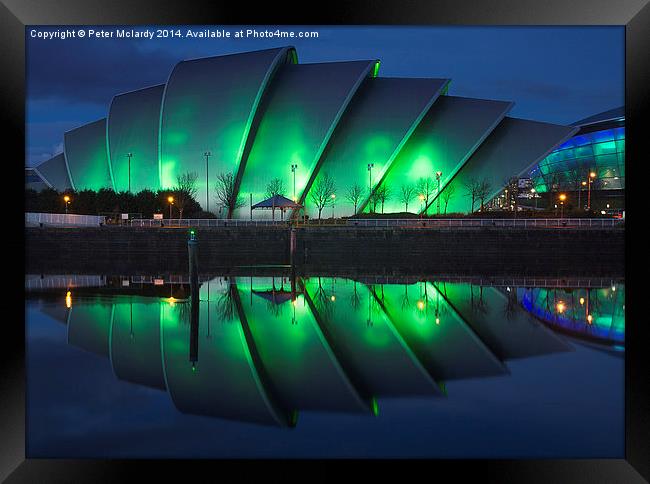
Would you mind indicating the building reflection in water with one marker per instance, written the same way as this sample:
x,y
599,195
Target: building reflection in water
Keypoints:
x,y
262,349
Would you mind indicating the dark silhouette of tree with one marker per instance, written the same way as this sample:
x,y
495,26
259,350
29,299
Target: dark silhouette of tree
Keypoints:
x,y
373,200
483,191
447,194
322,191
354,195
226,195
184,191
426,187
383,195
275,187
407,193
471,190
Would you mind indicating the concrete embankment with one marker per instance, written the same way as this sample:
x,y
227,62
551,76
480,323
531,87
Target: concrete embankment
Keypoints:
x,y
555,251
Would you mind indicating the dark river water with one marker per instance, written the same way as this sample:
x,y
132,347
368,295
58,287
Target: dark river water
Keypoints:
x,y
284,366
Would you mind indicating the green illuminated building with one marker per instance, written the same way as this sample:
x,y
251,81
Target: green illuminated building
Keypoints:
x,y
262,115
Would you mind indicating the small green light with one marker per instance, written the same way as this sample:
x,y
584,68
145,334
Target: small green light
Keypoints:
x,y
374,406
443,387
293,418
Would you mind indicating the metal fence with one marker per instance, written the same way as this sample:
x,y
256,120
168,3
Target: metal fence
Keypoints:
x,y
493,222
63,281
393,222
205,222
63,219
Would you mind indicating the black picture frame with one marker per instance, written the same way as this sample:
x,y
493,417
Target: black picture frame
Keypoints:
x,y
633,14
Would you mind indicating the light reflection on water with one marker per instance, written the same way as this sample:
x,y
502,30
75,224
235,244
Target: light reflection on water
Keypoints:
x,y
264,350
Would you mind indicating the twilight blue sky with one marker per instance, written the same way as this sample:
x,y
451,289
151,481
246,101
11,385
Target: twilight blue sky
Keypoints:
x,y
553,74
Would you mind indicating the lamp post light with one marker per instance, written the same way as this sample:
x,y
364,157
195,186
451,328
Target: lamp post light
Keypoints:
x,y
592,175
207,155
421,197
293,170
438,176
582,184
129,155
170,199
370,166
66,199
562,199
533,191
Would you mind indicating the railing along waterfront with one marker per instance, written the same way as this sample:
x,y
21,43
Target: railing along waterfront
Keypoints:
x,y
205,222
490,222
408,222
63,219
35,282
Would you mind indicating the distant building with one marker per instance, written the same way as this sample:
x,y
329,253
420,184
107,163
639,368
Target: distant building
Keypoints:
x,y
598,147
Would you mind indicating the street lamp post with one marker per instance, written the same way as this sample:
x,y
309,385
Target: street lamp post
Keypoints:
x,y
532,190
170,199
562,199
129,155
438,176
66,199
592,175
293,170
207,155
582,184
333,200
421,197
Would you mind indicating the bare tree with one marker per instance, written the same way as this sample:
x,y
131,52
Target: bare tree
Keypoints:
x,y
373,200
426,187
471,190
383,195
322,191
185,190
225,193
275,187
483,191
447,194
407,192
354,195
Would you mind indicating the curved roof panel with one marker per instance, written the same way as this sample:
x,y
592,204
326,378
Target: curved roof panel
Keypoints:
x,y
301,110
381,116
367,339
89,325
55,173
609,115
295,352
450,132
440,338
511,149
223,381
501,323
133,127
86,157
135,343
208,106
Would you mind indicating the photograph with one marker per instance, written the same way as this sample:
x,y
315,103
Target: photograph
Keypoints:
x,y
327,241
